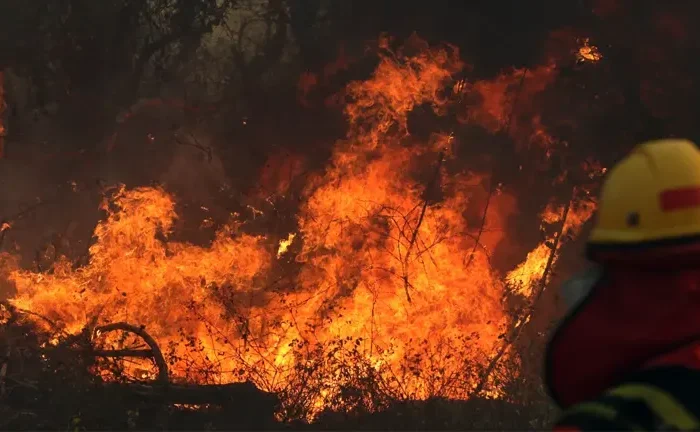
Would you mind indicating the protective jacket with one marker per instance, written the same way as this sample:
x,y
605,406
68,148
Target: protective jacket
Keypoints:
x,y
627,357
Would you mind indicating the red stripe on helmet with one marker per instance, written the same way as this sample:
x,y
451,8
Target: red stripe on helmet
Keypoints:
x,y
682,198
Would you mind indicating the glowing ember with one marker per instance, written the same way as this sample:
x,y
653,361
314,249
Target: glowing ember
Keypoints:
x,y
588,53
381,289
284,244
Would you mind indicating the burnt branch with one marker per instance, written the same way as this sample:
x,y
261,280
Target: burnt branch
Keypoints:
x,y
15,310
196,144
517,329
482,225
414,235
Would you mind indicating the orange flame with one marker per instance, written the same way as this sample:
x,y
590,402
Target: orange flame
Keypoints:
x,y
526,276
499,104
380,274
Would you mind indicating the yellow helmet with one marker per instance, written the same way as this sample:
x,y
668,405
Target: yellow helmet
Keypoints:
x,y
651,197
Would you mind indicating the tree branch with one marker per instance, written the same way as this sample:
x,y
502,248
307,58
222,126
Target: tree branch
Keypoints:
x,y
517,329
428,190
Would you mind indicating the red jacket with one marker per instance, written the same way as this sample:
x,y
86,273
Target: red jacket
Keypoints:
x,y
635,325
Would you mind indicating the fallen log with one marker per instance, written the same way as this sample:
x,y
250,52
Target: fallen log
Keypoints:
x,y
154,399
236,399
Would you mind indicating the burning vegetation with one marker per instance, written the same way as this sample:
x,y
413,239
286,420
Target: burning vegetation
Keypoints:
x,y
383,280
359,283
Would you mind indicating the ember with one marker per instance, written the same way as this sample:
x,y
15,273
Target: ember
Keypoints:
x,y
284,244
588,53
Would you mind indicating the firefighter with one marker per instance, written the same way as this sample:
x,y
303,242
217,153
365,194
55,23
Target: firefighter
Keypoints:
x,y
627,355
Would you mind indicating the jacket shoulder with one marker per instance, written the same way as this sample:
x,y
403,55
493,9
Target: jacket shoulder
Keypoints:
x,y
662,397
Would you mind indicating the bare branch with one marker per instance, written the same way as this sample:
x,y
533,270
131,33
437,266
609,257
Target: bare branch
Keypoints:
x,y
517,329
428,189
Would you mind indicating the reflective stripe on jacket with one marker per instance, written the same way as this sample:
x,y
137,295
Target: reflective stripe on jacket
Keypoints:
x,y
665,398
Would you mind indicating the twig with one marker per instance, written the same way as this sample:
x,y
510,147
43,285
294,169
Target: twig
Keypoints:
x,y
25,211
517,329
428,189
196,144
53,324
477,240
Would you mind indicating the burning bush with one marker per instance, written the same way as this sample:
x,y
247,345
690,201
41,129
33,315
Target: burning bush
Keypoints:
x,y
383,294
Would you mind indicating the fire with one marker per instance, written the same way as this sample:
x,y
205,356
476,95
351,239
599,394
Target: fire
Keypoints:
x,y
379,280
497,104
284,244
588,53
534,270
